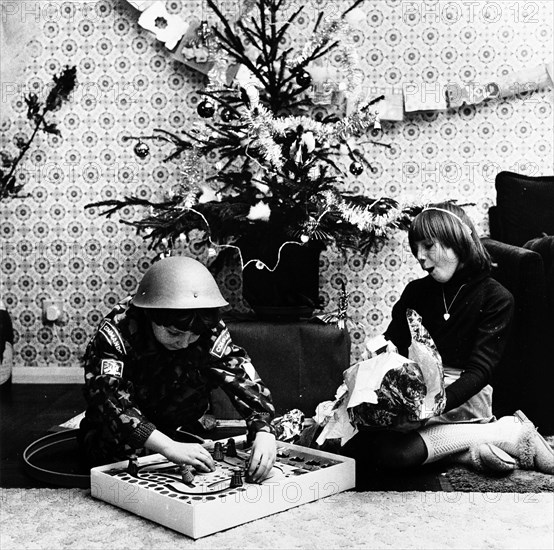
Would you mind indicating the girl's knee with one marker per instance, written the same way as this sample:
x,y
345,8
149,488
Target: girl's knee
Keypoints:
x,y
386,450
399,455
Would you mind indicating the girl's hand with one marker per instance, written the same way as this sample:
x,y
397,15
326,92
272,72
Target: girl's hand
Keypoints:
x,y
262,457
192,454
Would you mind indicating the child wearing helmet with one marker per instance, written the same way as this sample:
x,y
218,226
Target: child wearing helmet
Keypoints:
x,y
152,364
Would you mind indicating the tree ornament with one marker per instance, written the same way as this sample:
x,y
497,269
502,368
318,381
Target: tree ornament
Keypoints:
x,y
206,108
356,168
141,149
227,115
303,79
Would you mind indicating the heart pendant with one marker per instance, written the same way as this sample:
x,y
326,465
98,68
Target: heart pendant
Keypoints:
x,y
446,316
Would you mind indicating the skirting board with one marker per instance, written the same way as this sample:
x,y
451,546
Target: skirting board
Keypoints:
x,y
48,375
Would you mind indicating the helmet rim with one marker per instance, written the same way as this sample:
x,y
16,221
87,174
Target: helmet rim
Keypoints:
x,y
178,282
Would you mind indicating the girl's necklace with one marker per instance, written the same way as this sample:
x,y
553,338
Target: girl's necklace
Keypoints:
x,y
447,309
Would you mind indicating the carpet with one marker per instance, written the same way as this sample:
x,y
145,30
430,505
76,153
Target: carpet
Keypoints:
x,y
518,481
72,519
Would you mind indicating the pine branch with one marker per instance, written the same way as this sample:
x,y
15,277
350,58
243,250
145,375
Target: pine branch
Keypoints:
x,y
60,92
116,205
281,33
228,30
239,55
283,66
319,52
353,6
318,21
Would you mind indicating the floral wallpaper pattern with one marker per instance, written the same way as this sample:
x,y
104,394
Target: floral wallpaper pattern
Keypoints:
x,y
128,83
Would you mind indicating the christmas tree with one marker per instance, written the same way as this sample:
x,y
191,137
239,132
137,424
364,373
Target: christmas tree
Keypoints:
x,y
280,172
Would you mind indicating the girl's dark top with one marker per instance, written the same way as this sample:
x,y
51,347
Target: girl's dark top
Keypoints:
x,y
472,339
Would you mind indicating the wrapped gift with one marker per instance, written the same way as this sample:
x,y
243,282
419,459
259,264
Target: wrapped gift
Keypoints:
x,y
389,387
289,426
383,389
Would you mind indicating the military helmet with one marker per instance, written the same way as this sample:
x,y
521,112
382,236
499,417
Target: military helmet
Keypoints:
x,y
178,282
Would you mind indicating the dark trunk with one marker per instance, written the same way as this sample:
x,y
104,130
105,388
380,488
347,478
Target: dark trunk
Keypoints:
x,y
288,291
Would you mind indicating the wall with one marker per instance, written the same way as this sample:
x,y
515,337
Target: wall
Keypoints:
x,y
52,248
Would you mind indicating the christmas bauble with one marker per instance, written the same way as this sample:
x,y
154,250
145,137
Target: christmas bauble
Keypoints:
x,y
206,108
227,115
303,79
142,150
356,168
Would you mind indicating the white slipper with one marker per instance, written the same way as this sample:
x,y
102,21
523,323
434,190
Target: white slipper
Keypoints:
x,y
533,450
487,457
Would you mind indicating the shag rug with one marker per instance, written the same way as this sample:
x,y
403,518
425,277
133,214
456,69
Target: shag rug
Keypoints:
x,y
518,481
72,519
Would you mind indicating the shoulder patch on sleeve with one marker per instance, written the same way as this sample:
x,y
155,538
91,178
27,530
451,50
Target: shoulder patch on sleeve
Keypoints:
x,y
222,342
111,367
111,334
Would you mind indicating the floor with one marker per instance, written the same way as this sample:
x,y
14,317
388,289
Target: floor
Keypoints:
x,y
32,411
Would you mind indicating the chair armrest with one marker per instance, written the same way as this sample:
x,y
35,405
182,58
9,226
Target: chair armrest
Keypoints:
x,y
495,224
525,377
521,271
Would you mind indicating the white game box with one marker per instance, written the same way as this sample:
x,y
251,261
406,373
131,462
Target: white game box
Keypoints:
x,y
155,488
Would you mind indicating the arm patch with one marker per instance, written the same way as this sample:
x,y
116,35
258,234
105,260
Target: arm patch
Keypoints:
x,y
111,334
111,367
222,342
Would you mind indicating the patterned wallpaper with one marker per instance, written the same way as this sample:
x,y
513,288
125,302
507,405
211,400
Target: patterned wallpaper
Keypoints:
x,y
53,249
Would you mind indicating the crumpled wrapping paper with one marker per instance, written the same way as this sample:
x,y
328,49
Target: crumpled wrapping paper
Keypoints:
x,y
289,426
380,389
399,390
424,352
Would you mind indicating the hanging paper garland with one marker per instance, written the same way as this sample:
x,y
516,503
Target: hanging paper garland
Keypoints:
x,y
263,130
398,101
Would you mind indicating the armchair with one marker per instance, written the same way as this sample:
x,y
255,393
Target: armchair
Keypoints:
x,y
524,208
522,246
524,379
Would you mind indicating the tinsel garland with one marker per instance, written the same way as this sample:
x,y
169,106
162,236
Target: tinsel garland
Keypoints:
x,y
338,30
364,218
354,75
263,126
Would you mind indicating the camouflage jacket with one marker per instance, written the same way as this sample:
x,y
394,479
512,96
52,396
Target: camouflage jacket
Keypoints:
x,y
133,385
